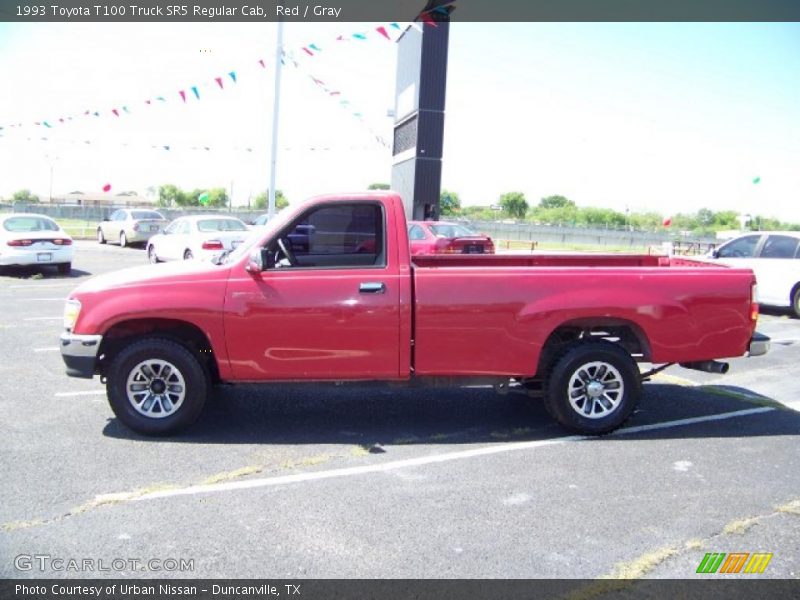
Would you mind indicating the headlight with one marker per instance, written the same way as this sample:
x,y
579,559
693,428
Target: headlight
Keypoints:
x,y
72,309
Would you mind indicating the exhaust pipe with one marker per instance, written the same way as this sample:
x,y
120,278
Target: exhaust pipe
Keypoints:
x,y
708,366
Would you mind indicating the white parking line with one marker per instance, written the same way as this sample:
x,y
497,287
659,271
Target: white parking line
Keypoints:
x,y
427,460
36,286
43,318
85,393
48,349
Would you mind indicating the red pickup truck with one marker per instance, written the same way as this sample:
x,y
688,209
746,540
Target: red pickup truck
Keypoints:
x,y
328,292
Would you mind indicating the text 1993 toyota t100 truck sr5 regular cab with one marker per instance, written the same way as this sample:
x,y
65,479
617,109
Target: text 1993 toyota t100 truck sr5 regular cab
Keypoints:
x,y
328,292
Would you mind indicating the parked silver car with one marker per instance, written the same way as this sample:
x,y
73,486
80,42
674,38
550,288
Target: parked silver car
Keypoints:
x,y
130,226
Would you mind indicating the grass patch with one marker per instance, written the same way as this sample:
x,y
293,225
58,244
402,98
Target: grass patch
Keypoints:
x,y
791,508
235,474
740,526
639,567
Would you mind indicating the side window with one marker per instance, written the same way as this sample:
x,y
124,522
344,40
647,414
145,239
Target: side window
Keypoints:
x,y
173,227
114,216
780,246
184,228
339,235
121,215
742,248
415,233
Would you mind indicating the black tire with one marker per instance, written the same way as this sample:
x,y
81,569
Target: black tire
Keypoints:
x,y
187,255
123,239
64,268
128,363
101,239
614,393
796,301
151,255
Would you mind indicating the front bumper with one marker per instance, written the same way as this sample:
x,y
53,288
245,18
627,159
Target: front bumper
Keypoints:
x,y
759,344
80,353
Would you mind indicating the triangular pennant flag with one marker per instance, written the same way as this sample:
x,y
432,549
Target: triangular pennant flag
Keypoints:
x,y
261,62
125,108
233,76
148,102
307,51
115,111
359,36
427,19
183,95
196,92
219,82
396,26
46,124
335,93
166,147
161,98
340,38
382,31
315,47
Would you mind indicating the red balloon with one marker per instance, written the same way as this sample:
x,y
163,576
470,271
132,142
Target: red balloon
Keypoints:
x,y
107,187
667,222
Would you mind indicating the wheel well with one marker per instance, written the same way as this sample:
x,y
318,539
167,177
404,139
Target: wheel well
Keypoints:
x,y
625,334
186,334
794,291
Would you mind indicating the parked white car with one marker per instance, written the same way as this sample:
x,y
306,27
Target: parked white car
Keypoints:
x,y
774,257
199,236
30,239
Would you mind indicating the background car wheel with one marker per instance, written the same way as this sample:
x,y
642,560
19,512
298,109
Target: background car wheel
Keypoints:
x,y
187,255
796,301
156,386
151,255
123,239
101,239
64,268
593,388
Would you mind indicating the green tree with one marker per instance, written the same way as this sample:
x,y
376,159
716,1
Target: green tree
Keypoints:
x,y
171,195
555,202
514,204
378,186
261,201
25,197
449,203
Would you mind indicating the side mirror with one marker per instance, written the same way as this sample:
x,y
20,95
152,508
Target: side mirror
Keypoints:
x,y
106,219
715,254
260,260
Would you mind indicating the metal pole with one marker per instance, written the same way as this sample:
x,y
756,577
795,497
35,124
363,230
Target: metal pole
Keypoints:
x,y
275,110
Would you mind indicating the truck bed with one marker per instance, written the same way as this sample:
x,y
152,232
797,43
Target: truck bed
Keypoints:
x,y
494,314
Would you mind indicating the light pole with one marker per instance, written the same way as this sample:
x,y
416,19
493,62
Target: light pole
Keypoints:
x,y
51,160
275,109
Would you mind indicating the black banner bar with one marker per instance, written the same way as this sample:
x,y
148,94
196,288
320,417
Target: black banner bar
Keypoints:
x,y
729,588
33,11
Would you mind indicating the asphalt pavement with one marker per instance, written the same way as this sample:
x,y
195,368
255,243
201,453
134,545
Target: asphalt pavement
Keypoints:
x,y
372,481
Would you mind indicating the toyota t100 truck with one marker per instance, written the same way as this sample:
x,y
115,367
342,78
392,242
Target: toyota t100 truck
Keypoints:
x,y
328,292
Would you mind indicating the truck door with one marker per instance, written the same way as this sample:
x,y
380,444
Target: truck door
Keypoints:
x,y
328,308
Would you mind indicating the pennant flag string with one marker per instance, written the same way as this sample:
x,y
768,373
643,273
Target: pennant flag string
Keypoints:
x,y
310,50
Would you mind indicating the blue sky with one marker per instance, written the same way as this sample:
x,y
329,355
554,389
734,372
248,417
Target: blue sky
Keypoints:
x,y
664,117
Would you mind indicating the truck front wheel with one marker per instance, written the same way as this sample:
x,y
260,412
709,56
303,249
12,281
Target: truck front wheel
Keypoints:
x,y
156,386
593,388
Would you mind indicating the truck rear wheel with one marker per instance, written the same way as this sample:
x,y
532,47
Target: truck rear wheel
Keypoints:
x,y
156,386
593,388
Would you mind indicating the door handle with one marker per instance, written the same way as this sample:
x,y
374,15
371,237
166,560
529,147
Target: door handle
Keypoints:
x,y
372,287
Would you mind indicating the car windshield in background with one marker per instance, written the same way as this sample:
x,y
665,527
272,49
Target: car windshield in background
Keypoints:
x,y
221,225
146,214
29,224
451,231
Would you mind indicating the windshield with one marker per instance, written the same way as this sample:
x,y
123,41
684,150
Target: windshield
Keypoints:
x,y
27,224
146,214
246,247
451,231
221,225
